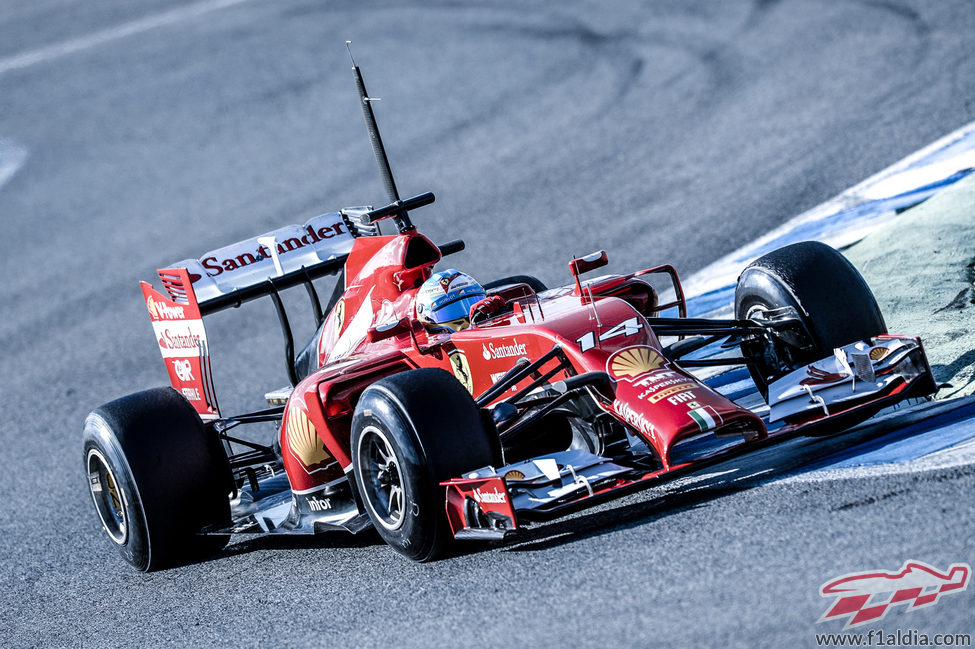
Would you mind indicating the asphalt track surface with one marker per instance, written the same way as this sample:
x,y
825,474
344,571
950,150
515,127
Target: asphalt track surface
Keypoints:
x,y
144,133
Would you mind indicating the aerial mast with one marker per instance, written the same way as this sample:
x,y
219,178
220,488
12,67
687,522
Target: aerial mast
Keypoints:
x,y
402,218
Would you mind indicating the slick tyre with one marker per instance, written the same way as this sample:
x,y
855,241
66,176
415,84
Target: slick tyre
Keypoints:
x,y
410,432
831,298
536,284
157,476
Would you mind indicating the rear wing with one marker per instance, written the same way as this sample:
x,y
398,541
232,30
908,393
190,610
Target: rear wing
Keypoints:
x,y
230,276
232,270
248,270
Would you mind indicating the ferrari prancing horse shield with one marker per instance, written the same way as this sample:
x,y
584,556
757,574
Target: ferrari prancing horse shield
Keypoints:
x,y
462,369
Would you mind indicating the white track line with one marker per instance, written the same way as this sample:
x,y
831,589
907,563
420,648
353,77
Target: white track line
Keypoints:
x,y
12,157
80,43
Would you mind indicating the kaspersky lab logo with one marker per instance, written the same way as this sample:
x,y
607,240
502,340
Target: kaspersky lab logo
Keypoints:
x,y
864,597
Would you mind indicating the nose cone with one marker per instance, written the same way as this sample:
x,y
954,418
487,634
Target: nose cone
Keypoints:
x,y
665,404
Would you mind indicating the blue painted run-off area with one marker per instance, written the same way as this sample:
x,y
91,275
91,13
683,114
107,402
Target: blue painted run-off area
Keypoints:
x,y
908,443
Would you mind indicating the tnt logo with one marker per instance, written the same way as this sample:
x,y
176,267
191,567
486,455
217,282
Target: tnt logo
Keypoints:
x,y
867,596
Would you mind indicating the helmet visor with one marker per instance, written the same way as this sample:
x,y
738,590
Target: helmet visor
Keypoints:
x,y
455,310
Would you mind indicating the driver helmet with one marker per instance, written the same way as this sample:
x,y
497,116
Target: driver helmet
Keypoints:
x,y
444,301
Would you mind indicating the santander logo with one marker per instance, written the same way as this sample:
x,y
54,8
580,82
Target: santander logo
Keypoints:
x,y
179,340
491,351
494,496
310,237
864,597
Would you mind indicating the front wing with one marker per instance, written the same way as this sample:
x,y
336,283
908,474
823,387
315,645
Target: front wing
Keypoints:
x,y
826,396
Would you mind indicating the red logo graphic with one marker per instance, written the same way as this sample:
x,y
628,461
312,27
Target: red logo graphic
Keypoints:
x,y
821,377
867,596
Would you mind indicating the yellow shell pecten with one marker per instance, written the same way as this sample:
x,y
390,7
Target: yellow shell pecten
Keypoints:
x,y
878,353
304,440
635,361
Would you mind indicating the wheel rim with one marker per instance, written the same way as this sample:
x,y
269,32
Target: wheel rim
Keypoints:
x,y
382,479
109,500
756,309
789,351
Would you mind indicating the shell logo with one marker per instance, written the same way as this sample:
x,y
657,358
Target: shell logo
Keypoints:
x,y
153,311
303,439
632,362
878,353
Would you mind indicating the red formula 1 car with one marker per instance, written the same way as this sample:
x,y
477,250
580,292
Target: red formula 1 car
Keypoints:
x,y
550,401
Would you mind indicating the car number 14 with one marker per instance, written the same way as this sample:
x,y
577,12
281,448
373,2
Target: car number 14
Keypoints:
x,y
625,328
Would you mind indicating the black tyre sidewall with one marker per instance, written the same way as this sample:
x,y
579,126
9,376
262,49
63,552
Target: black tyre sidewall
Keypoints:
x,y
99,436
536,284
437,433
177,475
420,535
829,294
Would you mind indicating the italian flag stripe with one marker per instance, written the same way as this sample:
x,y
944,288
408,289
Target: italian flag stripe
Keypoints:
x,y
703,418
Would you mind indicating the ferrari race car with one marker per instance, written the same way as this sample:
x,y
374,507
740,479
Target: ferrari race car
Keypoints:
x,y
552,400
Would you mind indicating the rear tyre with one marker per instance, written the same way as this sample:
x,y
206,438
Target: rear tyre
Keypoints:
x,y
157,476
831,298
536,284
410,432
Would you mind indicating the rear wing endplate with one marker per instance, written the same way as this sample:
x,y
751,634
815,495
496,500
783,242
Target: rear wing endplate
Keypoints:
x,y
182,338
228,277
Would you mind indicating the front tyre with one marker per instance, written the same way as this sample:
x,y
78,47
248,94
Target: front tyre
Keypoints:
x,y
410,432
156,476
819,286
